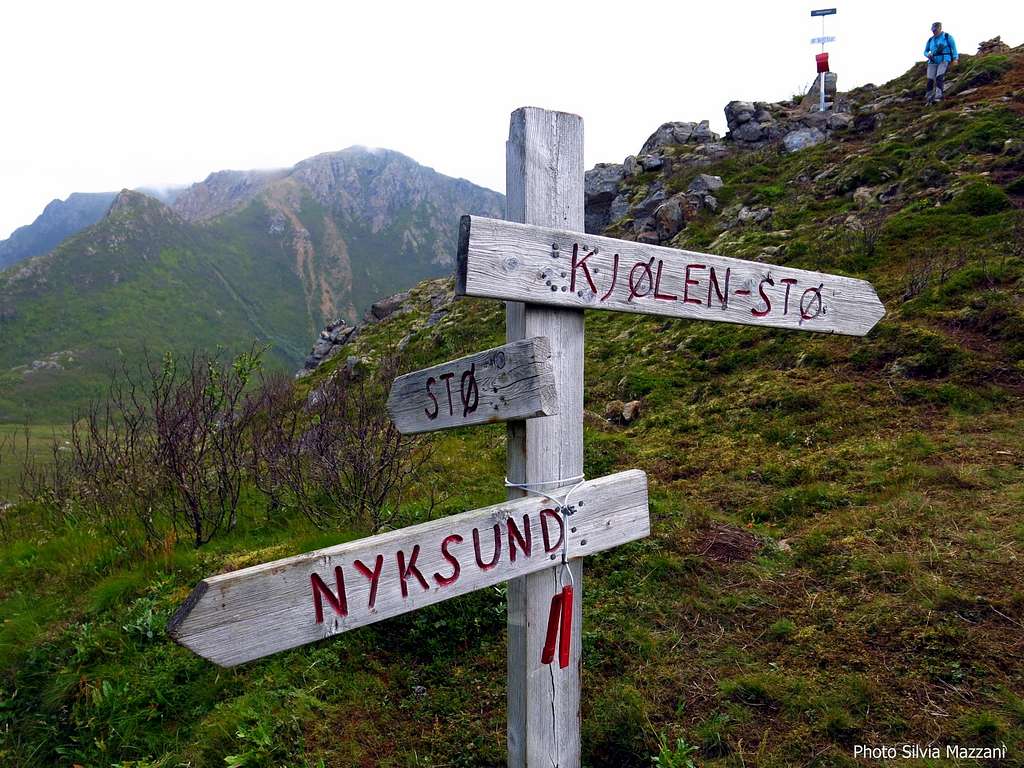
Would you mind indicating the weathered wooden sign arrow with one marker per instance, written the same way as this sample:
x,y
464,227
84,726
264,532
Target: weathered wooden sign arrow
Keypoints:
x,y
518,262
244,615
510,382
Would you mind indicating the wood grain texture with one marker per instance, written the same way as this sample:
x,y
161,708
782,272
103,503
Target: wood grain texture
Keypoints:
x,y
514,381
544,187
247,614
545,265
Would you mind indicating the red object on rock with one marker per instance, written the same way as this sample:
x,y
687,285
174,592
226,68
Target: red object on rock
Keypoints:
x,y
822,61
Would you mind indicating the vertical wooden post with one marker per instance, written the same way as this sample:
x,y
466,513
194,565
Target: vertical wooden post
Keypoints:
x,y
544,186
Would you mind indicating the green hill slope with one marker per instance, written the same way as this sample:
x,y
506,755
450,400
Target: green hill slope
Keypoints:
x,y
267,256
836,522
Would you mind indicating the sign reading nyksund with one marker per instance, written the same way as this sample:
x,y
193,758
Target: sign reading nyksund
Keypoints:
x,y
504,260
236,617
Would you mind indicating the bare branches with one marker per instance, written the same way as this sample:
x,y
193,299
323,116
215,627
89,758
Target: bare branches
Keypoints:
x,y
338,457
173,444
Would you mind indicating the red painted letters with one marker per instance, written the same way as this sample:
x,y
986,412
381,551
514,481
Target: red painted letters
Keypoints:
x,y
444,581
373,576
322,592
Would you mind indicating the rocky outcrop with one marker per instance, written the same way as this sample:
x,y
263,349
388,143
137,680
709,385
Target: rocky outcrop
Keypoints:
x,y
600,188
618,412
676,142
221,192
332,338
812,98
338,335
797,125
995,45
672,134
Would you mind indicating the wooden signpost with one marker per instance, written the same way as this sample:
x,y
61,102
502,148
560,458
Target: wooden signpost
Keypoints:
x,y
510,382
499,259
548,272
244,615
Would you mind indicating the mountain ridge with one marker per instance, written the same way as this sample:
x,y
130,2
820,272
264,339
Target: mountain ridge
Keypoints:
x,y
268,256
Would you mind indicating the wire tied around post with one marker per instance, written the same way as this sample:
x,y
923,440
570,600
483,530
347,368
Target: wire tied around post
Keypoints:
x,y
562,506
559,627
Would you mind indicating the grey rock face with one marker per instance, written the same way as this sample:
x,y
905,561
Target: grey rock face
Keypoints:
x,y
618,208
669,219
655,197
601,182
704,182
671,134
840,121
813,97
737,113
651,162
600,188
749,132
754,215
332,338
869,122
802,138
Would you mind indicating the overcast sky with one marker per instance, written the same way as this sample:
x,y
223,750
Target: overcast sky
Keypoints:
x,y
103,95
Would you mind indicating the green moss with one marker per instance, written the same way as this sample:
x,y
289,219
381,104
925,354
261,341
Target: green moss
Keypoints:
x,y
981,199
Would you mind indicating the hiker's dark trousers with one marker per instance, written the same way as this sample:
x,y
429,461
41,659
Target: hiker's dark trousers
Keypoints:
x,y
936,78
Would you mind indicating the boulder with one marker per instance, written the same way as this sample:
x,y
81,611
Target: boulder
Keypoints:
x,y
867,122
802,138
812,99
646,231
702,134
600,188
655,197
618,208
618,412
669,218
631,411
754,215
672,134
995,45
667,135
712,151
630,167
840,121
864,197
386,307
651,162
737,113
704,182
601,183
749,132
322,347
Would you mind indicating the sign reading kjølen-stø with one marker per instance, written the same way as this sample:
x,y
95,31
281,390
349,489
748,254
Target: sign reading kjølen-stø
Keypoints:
x,y
505,260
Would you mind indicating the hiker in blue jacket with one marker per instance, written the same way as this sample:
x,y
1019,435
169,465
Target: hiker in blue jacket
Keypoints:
x,y
940,50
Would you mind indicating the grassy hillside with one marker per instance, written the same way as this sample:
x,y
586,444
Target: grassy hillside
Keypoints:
x,y
274,260
140,279
837,527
